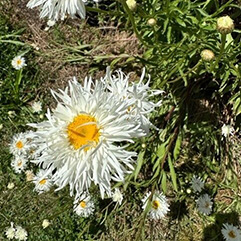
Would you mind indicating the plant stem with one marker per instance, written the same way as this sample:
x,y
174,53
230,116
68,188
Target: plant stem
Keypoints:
x,y
17,83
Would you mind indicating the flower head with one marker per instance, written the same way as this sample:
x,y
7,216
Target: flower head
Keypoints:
x,y
80,140
19,144
117,196
225,25
10,232
59,8
207,55
18,62
83,205
204,204
37,107
21,233
197,184
159,206
42,181
227,130
151,22
131,4
19,163
45,223
10,185
230,232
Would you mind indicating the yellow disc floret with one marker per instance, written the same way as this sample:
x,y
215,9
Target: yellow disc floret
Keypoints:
x,y
83,130
231,234
155,204
83,204
43,181
19,145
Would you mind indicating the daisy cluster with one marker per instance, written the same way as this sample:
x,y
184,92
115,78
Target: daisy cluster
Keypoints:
x,y
17,232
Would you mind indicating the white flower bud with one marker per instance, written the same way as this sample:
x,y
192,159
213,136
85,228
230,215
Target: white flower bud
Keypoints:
x,y
225,25
151,22
131,4
207,55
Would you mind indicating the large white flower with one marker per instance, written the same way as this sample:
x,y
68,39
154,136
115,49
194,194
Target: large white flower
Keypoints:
x,y
79,141
55,9
137,95
83,205
231,232
159,206
205,204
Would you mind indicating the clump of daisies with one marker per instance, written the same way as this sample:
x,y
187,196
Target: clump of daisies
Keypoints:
x,y
231,232
204,204
17,232
81,142
159,206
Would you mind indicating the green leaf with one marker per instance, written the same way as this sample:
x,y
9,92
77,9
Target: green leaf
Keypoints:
x,y
164,182
139,164
173,173
177,147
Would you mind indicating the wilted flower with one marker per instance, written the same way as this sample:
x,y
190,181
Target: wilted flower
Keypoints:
x,y
207,55
204,204
117,196
45,223
29,175
10,185
225,25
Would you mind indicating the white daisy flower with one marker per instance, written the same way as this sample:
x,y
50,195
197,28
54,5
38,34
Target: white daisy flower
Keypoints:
x,y
136,94
117,196
55,9
159,206
79,141
231,232
37,107
204,204
227,130
10,232
19,163
197,184
83,205
18,62
21,233
42,181
19,144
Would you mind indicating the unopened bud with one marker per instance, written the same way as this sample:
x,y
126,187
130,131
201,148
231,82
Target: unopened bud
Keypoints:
x,y
131,4
225,25
189,190
151,22
143,145
207,55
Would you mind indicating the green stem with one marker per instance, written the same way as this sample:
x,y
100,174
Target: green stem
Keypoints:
x,y
17,83
223,41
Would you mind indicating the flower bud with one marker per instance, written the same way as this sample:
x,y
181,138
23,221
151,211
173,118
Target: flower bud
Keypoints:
x,y
151,22
45,223
143,145
131,4
207,55
189,191
225,25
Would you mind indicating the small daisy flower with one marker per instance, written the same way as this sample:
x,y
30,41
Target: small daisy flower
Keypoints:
x,y
18,62
19,144
19,163
10,232
45,223
21,233
59,8
204,204
42,181
159,206
37,107
83,205
197,184
117,196
231,232
227,130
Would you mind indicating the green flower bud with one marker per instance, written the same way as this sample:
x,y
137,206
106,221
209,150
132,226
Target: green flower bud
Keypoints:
x,y
151,22
207,55
225,25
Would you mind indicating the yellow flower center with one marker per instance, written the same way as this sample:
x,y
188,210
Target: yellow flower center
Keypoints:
x,y
231,234
19,62
155,204
83,204
207,205
19,145
19,163
83,130
43,181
